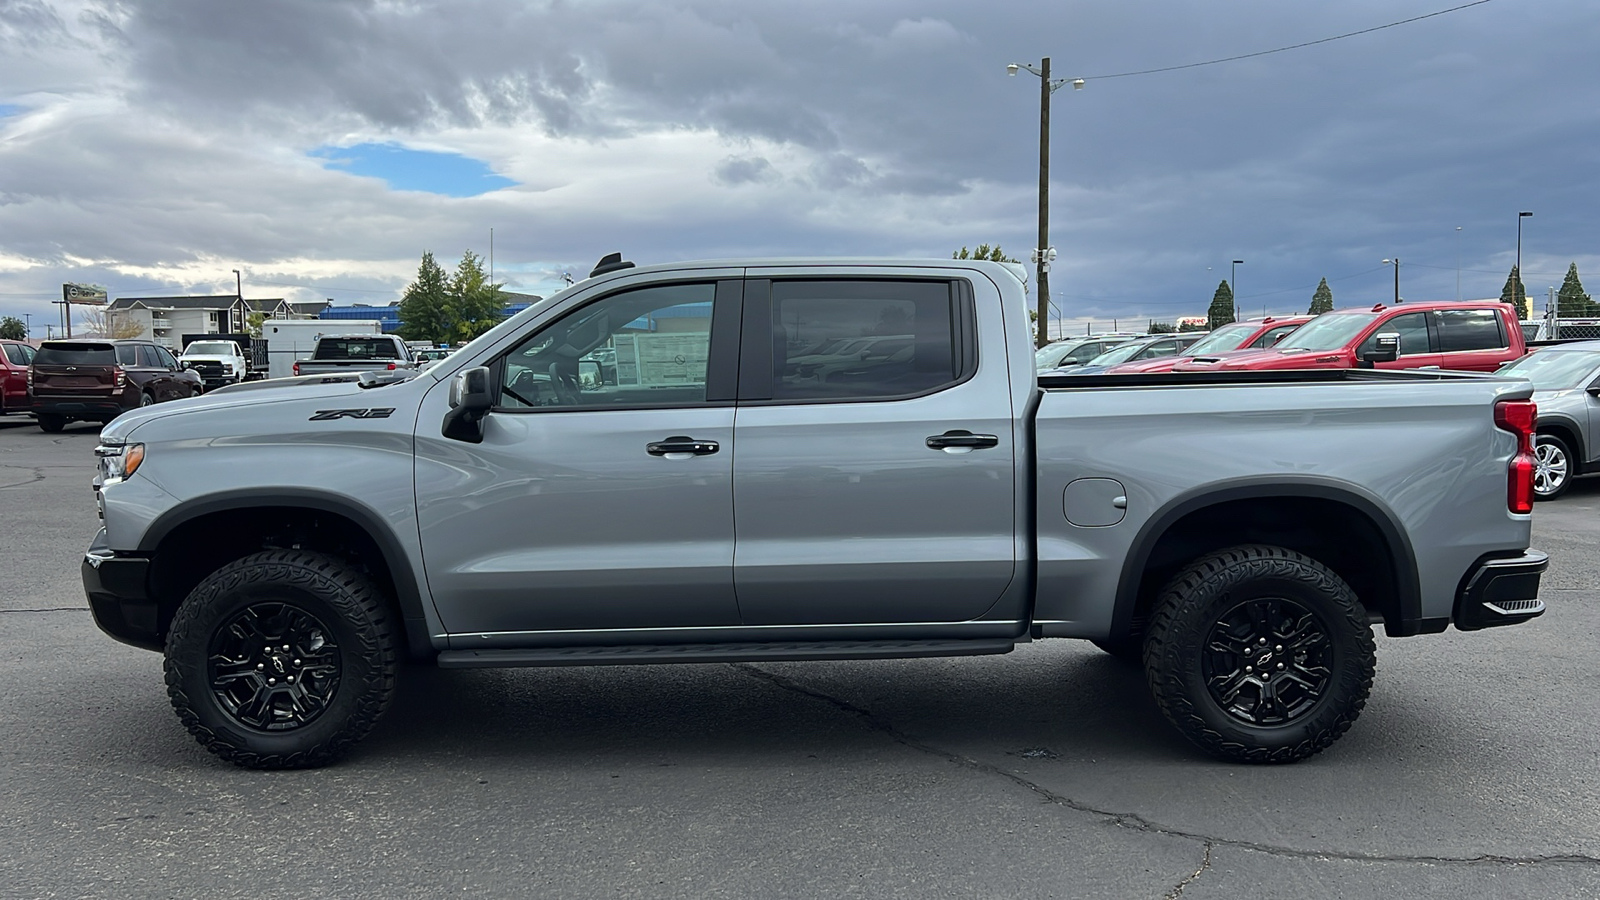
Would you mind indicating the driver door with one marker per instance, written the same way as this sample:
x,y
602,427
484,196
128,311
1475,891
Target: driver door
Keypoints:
x,y
597,501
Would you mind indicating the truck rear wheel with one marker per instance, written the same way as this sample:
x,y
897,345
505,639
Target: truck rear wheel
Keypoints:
x,y
281,660
51,423
1260,654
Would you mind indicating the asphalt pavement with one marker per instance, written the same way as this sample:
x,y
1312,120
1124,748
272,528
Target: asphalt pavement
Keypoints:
x,y
1047,772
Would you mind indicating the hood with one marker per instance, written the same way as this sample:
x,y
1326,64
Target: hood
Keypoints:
x,y
250,393
1265,359
1145,366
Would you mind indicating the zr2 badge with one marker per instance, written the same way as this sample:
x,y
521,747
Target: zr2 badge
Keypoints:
x,y
325,415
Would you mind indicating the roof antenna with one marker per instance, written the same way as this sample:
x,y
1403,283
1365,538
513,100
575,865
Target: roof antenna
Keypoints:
x,y
611,262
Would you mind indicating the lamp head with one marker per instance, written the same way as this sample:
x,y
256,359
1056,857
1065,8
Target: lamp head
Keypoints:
x,y
1238,262
1011,69
1521,214
1077,84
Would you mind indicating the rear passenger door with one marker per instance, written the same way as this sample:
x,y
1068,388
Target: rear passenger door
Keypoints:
x,y
874,490
158,377
1472,340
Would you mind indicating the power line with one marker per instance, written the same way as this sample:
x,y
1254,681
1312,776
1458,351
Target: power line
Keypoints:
x,y
1337,37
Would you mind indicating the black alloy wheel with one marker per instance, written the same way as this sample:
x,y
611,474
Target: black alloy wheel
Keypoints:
x,y
1267,661
1259,654
282,660
274,666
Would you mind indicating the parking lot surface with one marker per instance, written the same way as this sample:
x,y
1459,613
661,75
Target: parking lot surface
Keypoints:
x,y
1047,772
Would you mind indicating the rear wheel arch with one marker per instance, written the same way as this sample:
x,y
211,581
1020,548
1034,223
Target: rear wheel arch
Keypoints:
x,y
1571,435
1333,522
191,541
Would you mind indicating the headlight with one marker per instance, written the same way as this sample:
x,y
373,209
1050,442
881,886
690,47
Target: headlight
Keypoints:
x,y
227,368
118,462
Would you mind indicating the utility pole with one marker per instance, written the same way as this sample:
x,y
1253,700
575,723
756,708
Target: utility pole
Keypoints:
x,y
1232,270
1043,253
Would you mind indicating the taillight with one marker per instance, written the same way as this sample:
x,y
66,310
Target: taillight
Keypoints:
x,y
391,367
1519,417
30,378
297,368
118,376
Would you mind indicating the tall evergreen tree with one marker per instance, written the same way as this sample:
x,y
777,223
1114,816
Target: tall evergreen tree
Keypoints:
x,y
1322,300
1571,300
425,313
984,251
1221,311
1515,294
477,304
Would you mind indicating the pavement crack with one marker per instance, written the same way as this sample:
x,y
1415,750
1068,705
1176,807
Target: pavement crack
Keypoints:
x,y
41,609
1134,821
37,473
1205,864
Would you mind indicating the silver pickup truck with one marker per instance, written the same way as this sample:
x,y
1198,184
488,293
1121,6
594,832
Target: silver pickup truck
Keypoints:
x,y
336,353
288,546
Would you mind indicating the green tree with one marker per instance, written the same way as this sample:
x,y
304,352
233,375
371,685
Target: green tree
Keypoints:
x,y
425,313
1194,326
1160,327
1515,294
1221,311
253,322
984,251
1322,300
477,304
13,328
1571,300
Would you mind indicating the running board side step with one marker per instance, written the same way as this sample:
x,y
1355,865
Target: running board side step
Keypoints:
x,y
647,654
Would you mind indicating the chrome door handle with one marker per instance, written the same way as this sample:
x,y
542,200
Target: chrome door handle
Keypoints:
x,y
680,447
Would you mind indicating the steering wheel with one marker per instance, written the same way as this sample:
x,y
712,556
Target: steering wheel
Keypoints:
x,y
568,392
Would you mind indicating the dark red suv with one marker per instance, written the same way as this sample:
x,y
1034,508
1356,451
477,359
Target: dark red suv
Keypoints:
x,y
14,359
100,380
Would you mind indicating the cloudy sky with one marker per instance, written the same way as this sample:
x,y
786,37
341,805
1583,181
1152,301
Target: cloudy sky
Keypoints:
x,y
320,146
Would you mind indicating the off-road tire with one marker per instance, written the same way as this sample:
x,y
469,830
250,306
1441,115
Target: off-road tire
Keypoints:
x,y
1554,450
1128,649
51,424
1214,588
332,593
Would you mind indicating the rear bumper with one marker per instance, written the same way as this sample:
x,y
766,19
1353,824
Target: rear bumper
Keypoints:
x,y
119,596
1501,592
78,407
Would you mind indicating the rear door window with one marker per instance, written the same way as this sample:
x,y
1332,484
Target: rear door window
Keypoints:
x,y
76,354
128,354
149,358
1469,329
19,354
905,339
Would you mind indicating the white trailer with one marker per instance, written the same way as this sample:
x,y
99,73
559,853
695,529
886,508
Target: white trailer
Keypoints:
x,y
293,339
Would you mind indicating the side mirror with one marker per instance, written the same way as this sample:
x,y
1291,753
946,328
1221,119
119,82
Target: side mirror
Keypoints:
x,y
471,398
1386,349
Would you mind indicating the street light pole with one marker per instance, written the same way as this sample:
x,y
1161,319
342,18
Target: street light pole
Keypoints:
x,y
1042,254
1232,271
1396,263
1458,262
1518,282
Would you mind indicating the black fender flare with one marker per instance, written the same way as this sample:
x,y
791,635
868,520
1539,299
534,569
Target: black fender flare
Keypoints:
x,y
1407,587
394,555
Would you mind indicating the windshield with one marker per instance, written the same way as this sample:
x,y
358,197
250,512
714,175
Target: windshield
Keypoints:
x,y
1327,332
210,348
1553,370
1120,355
1228,337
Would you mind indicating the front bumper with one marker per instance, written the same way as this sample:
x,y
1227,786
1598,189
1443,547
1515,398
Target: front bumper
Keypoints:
x,y
1501,592
118,590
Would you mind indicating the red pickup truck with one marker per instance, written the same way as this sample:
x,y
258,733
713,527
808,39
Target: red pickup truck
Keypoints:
x,y
1474,336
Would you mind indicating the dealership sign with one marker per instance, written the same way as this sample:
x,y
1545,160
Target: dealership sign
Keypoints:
x,y
85,294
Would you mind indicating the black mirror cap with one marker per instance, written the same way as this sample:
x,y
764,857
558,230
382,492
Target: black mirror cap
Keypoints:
x,y
611,262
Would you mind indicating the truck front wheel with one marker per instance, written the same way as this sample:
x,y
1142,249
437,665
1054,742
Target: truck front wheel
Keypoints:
x,y
281,660
1260,654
